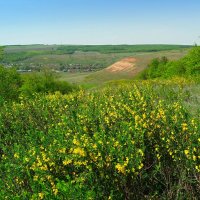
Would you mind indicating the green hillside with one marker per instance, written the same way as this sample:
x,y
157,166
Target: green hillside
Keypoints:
x,y
188,67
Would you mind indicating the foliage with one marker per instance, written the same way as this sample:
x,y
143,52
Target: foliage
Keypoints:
x,y
10,83
20,56
119,48
97,48
1,53
13,85
188,66
192,61
45,82
132,141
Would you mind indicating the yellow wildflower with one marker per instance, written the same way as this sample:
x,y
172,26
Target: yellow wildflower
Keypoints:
x,y
35,178
66,162
140,166
41,195
141,152
184,127
120,168
55,191
16,155
186,152
75,141
79,151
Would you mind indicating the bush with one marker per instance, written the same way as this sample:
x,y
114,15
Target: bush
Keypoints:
x,y
1,53
192,62
13,84
10,83
45,82
188,67
127,142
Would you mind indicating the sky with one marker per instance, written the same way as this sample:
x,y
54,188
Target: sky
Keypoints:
x,y
99,22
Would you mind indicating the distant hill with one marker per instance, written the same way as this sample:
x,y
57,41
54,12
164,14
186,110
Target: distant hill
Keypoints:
x,y
94,48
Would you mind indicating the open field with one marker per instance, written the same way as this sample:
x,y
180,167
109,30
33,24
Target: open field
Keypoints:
x,y
77,58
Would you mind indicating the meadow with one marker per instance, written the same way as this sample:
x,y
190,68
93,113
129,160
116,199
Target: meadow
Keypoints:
x,y
136,138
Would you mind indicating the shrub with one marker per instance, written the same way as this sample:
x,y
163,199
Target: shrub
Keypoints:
x,y
127,142
188,66
10,83
45,82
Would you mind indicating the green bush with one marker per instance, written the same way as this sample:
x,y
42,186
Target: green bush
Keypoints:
x,y
1,53
10,83
44,82
192,62
127,142
188,67
13,84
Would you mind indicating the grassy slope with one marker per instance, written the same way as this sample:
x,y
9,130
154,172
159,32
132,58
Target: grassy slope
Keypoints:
x,y
143,60
103,76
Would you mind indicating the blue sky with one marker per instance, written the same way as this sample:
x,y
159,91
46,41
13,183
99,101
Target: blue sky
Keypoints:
x,y
99,21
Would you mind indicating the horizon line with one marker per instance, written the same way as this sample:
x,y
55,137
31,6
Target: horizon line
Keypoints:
x,y
57,44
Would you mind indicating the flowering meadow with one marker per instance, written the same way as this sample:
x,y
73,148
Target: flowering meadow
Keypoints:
x,y
131,141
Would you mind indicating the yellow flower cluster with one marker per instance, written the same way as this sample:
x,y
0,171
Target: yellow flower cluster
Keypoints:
x,y
107,134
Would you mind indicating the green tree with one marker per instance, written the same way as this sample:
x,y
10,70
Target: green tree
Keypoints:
x,y
10,82
188,67
157,67
192,61
44,82
1,53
